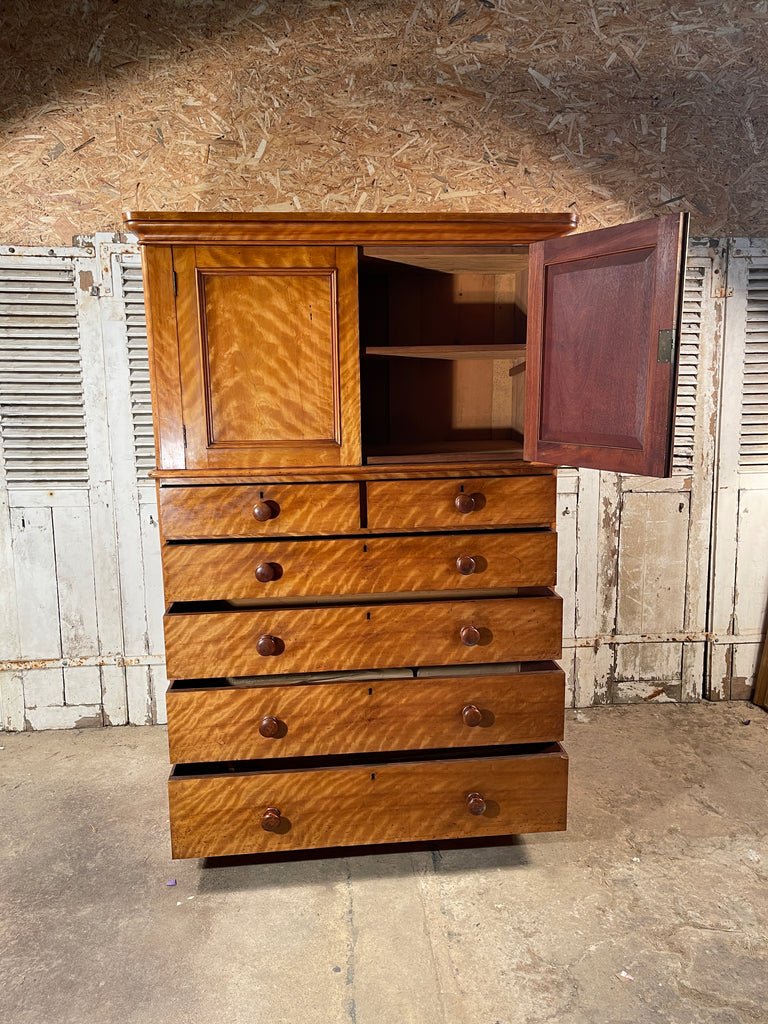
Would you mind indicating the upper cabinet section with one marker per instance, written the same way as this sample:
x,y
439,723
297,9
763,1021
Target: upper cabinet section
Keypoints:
x,y
345,340
602,324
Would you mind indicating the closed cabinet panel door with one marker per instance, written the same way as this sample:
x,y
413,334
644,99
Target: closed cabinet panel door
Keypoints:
x,y
268,355
603,312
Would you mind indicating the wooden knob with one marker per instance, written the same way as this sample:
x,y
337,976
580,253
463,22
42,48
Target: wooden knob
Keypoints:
x,y
475,803
269,726
466,565
266,571
267,645
470,635
271,821
471,714
465,503
264,510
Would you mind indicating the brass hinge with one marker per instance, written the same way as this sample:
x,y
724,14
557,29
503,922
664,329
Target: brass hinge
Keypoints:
x,y
666,346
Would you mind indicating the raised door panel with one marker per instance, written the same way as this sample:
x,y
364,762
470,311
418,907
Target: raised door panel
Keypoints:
x,y
600,365
268,356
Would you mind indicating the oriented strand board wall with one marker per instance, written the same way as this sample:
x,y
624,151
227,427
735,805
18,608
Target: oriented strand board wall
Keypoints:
x,y
617,110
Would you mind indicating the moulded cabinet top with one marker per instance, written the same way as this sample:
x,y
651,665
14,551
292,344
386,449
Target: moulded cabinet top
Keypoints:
x,y
170,228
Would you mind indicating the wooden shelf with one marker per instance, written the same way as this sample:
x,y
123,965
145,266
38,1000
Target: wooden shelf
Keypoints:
x,y
446,452
448,351
456,259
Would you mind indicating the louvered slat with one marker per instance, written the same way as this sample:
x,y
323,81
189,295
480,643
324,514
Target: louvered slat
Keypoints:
x,y
42,422
753,440
138,369
688,371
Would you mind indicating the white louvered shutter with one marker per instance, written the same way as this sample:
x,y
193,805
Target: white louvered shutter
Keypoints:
x,y
138,368
688,371
753,439
42,423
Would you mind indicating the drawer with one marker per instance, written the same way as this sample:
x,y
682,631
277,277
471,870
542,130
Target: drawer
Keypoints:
x,y
266,570
215,640
270,510
262,807
468,504
222,722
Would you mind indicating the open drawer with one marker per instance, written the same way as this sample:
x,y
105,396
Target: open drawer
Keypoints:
x,y
260,806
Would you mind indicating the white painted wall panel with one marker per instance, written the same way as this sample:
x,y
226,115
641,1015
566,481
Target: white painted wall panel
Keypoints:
x,y
36,592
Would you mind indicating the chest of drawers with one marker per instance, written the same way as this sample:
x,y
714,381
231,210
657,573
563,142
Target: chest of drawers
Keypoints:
x,y
361,627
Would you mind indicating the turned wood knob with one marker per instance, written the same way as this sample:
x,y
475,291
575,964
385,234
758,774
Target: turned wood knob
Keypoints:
x,y
266,571
268,645
471,714
466,565
270,819
264,510
465,502
475,803
269,726
470,635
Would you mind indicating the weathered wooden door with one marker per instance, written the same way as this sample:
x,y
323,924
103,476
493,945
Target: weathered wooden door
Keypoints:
x,y
81,608
739,615
637,548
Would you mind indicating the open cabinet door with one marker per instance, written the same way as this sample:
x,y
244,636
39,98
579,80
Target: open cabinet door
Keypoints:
x,y
603,310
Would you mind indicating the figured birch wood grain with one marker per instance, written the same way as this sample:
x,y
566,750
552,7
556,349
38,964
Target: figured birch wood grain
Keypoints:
x,y
221,723
192,513
430,504
366,565
202,644
269,356
370,803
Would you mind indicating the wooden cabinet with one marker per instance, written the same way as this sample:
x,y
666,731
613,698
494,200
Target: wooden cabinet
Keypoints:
x,y
361,630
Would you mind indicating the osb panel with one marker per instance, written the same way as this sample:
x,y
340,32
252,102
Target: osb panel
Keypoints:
x,y
618,111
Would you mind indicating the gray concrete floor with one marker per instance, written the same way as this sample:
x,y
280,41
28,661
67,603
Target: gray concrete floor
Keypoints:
x,y
661,874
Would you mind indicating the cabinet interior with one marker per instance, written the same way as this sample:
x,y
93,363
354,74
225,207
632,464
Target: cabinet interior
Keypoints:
x,y
442,337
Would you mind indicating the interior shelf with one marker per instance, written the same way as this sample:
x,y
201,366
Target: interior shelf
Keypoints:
x,y
448,351
449,451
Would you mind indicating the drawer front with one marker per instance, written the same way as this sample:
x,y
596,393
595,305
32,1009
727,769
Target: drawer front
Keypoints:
x,y
265,570
259,510
468,504
226,723
202,644
224,815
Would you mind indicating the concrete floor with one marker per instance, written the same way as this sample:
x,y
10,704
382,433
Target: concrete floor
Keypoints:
x,y
662,875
